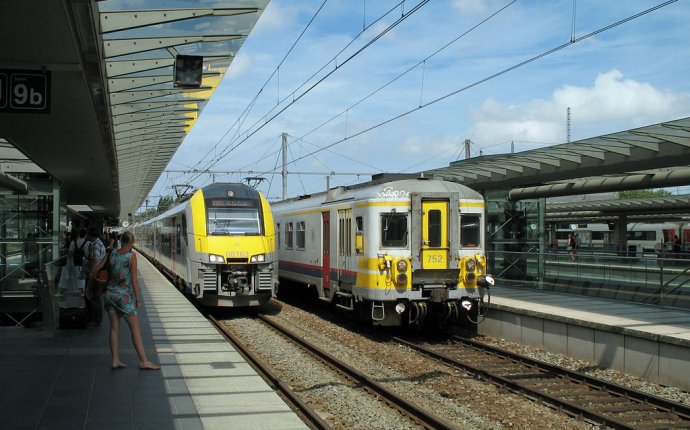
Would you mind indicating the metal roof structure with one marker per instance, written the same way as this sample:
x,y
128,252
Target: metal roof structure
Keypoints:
x,y
653,156
642,209
112,117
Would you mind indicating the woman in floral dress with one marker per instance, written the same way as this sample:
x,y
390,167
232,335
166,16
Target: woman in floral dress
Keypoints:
x,y
122,298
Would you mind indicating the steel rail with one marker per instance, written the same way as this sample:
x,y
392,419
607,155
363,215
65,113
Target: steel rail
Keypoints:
x,y
669,409
412,410
272,379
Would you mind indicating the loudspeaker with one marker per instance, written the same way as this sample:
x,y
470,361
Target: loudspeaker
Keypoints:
x,y
188,70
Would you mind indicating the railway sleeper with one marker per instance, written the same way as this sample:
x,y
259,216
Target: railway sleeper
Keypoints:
x,y
624,408
596,398
660,426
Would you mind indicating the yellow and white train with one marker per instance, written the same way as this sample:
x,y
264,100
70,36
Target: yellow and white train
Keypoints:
x,y
394,252
218,246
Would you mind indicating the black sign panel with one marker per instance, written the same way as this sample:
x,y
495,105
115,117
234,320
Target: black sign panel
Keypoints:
x,y
25,91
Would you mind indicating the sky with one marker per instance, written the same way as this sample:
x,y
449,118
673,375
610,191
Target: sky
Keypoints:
x,y
360,94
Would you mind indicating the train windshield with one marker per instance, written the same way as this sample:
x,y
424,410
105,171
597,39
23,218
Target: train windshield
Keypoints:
x,y
470,231
393,230
228,219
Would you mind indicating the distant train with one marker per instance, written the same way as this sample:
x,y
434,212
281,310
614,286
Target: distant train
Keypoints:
x,y
648,238
394,253
218,246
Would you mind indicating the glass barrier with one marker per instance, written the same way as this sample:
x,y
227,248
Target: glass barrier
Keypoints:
x,y
662,279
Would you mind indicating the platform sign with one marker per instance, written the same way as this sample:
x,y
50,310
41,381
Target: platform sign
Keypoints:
x,y
26,91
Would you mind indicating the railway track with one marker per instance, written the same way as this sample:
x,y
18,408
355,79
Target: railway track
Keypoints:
x,y
308,415
580,395
406,408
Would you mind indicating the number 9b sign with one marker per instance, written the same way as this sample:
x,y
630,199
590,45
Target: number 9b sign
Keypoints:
x,y
24,91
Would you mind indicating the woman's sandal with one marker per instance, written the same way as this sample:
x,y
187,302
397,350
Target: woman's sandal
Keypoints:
x,y
119,366
147,365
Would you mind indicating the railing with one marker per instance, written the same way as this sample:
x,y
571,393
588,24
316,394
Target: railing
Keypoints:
x,y
645,279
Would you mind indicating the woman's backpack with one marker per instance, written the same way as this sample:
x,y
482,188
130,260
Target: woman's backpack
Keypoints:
x,y
78,256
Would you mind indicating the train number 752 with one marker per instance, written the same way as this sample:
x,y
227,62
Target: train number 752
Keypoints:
x,y
434,258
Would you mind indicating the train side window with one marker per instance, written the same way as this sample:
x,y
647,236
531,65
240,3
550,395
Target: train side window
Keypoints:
x,y
300,235
278,236
470,231
359,235
178,240
184,228
393,230
288,235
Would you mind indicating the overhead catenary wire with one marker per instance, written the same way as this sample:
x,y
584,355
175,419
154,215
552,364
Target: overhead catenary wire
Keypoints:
x,y
404,73
490,77
275,71
295,99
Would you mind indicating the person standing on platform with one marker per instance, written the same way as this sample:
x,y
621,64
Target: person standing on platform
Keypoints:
x,y
123,299
96,259
572,246
73,275
676,246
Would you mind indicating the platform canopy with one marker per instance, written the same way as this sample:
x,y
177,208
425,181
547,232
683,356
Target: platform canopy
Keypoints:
x,y
654,156
99,109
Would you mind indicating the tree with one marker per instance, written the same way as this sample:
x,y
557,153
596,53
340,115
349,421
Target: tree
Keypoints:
x,y
164,203
640,194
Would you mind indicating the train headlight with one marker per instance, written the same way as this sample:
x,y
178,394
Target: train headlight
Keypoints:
x,y
213,258
470,264
259,258
401,266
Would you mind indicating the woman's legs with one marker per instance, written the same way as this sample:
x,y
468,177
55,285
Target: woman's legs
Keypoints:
x,y
133,322
114,339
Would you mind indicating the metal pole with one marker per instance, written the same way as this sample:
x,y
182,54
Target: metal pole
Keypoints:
x,y
284,150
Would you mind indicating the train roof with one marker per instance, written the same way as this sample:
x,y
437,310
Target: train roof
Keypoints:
x,y
380,190
215,190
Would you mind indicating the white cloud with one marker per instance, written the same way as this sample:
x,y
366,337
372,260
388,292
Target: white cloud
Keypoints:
x,y
277,16
612,101
613,98
470,6
240,65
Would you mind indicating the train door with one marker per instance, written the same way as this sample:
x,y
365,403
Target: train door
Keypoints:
x,y
344,245
435,247
326,244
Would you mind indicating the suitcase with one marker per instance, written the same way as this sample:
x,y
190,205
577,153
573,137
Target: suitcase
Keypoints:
x,y
73,317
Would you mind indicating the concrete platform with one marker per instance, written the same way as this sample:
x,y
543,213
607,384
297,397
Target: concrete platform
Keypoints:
x,y
649,341
61,379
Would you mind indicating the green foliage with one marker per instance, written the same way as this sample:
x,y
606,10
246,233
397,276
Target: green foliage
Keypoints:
x,y
165,203
640,194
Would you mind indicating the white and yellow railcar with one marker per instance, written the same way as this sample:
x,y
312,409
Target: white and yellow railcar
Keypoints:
x,y
219,245
394,252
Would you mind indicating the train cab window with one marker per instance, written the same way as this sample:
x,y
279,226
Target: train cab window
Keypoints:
x,y
434,232
470,231
288,235
393,230
233,221
300,235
